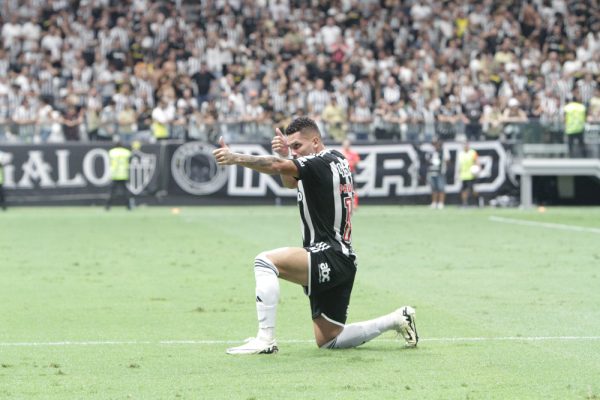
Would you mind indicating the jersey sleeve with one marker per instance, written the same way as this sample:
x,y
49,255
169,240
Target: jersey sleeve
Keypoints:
x,y
309,167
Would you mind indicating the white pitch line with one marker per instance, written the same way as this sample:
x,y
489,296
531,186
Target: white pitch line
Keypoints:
x,y
225,342
550,225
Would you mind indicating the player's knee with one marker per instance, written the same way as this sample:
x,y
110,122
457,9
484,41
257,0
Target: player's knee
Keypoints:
x,y
327,344
262,261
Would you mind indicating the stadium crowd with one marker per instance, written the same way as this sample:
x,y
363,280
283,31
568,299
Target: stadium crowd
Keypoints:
x,y
373,69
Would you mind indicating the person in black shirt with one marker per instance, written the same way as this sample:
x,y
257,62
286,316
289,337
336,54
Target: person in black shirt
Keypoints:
x,y
472,111
203,79
326,264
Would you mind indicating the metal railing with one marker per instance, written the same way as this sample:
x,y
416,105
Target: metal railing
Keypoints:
x,y
530,139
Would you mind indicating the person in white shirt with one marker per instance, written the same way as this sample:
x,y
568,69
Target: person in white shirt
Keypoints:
x,y
330,33
162,116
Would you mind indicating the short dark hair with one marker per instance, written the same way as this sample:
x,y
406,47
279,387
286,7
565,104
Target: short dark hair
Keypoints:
x,y
300,124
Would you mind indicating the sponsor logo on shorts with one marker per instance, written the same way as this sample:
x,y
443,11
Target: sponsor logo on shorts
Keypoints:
x,y
324,271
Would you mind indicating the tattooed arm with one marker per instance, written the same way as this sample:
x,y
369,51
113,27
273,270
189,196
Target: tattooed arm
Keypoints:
x,y
265,164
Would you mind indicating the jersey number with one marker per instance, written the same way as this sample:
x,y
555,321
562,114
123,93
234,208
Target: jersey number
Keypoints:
x,y
348,228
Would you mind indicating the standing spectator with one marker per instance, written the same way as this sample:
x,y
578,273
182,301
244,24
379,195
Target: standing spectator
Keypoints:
x,y
278,102
414,121
437,163
24,119
127,123
491,121
574,113
56,132
447,118
44,120
547,109
586,86
361,119
513,118
472,111
254,116
188,101
144,122
108,122
391,91
330,33
317,98
92,114
179,124
250,85
468,168
162,117
335,120
71,122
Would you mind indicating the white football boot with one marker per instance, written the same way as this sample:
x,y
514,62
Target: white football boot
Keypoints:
x,y
255,345
406,325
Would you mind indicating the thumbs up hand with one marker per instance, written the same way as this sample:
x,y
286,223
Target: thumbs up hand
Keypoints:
x,y
223,155
279,144
222,143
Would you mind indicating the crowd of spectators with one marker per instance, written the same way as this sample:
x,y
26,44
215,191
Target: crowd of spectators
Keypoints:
x,y
375,69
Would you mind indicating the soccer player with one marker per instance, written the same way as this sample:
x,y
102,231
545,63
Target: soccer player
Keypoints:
x,y
326,264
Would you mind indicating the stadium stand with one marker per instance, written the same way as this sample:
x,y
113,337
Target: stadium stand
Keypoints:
x,y
369,70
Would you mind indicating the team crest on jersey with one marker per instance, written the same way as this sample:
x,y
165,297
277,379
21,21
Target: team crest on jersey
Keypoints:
x,y
141,171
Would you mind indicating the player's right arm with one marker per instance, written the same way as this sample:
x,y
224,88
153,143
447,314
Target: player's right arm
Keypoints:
x,y
265,164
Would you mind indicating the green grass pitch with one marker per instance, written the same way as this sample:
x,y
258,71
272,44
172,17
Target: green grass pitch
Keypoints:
x,y
143,304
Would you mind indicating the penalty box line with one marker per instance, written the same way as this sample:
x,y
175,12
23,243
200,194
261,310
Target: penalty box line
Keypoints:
x,y
67,343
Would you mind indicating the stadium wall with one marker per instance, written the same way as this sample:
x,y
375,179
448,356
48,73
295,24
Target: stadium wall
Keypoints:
x,y
173,173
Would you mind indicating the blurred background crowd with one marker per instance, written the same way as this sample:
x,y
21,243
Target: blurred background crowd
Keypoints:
x,y
367,70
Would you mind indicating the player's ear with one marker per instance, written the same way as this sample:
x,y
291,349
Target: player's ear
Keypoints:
x,y
315,141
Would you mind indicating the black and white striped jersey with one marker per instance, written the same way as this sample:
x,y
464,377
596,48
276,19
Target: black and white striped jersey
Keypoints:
x,y
325,199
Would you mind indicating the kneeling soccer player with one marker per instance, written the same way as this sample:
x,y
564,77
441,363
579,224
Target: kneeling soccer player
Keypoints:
x,y
326,265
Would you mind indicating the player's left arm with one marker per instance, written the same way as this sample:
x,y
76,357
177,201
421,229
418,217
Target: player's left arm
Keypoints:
x,y
265,164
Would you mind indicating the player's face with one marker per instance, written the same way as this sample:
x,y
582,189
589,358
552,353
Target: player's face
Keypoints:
x,y
303,144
